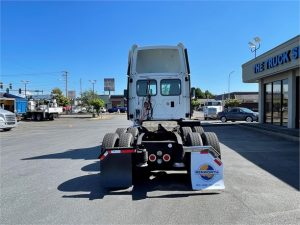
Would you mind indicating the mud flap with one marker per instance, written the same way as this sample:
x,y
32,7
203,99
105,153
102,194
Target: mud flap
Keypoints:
x,y
206,171
116,171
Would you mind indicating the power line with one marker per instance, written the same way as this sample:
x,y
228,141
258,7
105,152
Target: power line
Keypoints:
x,y
30,74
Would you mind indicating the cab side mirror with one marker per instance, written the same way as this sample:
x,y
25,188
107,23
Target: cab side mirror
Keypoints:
x,y
125,93
193,93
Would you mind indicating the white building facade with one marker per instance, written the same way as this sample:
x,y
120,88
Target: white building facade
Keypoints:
x,y
277,73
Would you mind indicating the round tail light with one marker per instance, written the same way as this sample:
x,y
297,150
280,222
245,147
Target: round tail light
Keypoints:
x,y
152,158
166,157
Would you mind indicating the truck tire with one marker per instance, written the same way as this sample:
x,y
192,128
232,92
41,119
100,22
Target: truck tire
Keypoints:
x,y
110,140
33,117
198,129
194,139
116,170
210,138
120,131
39,117
7,129
51,117
133,130
185,132
125,140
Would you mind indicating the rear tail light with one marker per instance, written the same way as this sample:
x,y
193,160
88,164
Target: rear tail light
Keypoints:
x,y
152,158
166,157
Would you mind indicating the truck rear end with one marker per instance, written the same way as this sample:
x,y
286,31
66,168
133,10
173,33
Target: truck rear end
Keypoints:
x,y
163,136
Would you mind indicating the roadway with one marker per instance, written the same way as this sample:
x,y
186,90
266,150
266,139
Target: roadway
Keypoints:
x,y
50,175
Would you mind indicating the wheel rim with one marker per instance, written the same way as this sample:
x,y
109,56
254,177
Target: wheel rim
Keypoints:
x,y
223,119
249,119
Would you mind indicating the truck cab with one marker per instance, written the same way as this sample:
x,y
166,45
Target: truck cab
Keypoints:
x,y
158,83
7,120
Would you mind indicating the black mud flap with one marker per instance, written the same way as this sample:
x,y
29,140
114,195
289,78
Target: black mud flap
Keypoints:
x,y
116,171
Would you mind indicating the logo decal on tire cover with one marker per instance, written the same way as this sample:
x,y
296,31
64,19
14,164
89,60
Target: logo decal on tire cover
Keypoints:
x,y
206,172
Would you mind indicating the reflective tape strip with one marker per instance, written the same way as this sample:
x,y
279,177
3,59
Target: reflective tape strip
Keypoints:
x,y
104,155
115,151
218,162
204,151
127,151
124,151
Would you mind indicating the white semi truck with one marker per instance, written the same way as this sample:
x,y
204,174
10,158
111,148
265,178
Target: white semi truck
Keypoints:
x,y
8,120
163,135
42,108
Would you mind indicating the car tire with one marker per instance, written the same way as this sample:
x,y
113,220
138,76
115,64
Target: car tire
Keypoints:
x,y
249,119
223,119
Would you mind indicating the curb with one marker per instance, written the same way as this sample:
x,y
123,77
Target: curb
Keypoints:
x,y
269,132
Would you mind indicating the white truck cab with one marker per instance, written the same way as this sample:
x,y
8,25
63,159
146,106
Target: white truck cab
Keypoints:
x,y
8,120
158,83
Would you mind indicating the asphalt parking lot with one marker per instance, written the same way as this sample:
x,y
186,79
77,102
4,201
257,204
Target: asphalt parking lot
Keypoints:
x,y
50,175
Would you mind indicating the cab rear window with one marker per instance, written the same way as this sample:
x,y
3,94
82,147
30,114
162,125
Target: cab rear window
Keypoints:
x,y
145,87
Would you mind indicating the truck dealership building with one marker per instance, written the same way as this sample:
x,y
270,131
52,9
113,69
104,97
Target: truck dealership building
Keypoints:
x,y
277,73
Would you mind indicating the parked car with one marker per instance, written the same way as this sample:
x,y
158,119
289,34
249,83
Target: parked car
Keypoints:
x,y
238,114
117,109
102,110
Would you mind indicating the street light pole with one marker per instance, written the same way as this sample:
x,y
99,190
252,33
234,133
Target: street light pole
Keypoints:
x,y
25,82
93,83
229,83
254,45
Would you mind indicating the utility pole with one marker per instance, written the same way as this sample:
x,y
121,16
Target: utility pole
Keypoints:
x,y
66,80
229,83
80,89
25,82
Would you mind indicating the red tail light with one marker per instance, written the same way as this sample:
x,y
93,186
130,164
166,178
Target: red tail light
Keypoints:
x,y
166,157
152,158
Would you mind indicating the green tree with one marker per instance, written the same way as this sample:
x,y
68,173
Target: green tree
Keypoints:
x,y
195,103
199,93
232,103
87,97
91,100
60,98
97,103
208,94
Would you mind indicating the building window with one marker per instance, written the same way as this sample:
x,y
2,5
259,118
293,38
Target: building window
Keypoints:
x,y
268,103
285,89
276,102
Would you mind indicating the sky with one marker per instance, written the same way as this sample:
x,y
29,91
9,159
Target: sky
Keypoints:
x,y
91,39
